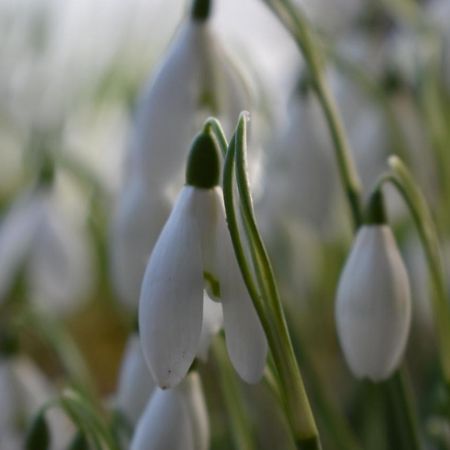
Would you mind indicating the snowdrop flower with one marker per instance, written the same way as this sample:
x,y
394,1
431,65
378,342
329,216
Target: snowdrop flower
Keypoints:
x,y
174,419
195,79
37,237
23,390
194,247
302,177
135,382
373,305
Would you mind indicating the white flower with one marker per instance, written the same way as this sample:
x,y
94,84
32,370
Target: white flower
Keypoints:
x,y
194,241
23,390
195,80
174,419
37,237
141,214
373,305
135,382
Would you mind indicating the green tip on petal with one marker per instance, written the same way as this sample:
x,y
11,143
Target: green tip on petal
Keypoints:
x,y
376,213
203,167
38,435
47,172
9,344
201,9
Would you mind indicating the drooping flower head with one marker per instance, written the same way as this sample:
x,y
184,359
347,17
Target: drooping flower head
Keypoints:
x,y
194,251
373,305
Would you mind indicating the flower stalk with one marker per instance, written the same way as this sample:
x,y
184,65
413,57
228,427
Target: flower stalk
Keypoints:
x,y
265,295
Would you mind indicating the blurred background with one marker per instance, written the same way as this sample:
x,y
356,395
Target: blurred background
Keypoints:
x,y
70,76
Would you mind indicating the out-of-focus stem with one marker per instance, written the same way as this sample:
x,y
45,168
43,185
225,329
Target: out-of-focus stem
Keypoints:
x,y
293,19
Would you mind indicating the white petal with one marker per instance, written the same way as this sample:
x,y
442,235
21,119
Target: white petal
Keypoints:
x,y
141,214
135,382
245,338
212,323
165,423
59,269
373,306
165,117
171,302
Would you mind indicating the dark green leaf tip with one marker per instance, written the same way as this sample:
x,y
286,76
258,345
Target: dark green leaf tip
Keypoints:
x,y
203,167
201,10
376,213
38,435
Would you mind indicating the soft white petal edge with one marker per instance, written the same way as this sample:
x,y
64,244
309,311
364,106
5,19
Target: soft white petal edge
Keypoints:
x,y
171,302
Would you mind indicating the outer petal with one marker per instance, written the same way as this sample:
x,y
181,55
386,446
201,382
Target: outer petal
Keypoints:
x,y
373,306
245,338
140,217
135,382
166,113
171,303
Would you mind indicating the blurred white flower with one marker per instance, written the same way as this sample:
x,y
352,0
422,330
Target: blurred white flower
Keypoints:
x,y
51,250
195,79
139,219
301,180
135,382
195,248
373,304
23,390
174,419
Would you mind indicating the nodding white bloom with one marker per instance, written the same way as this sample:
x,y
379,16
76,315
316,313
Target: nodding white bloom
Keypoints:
x,y
373,305
174,419
195,247
36,236
23,390
303,155
196,79
135,382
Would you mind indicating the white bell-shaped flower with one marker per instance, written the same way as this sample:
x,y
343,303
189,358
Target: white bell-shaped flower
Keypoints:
x,y
195,247
373,305
135,382
174,419
37,237
23,390
195,79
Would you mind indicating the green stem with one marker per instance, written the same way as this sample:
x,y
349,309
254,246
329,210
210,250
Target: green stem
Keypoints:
x,y
401,178
268,306
242,432
296,24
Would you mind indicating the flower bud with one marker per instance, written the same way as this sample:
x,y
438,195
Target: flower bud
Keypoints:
x,y
373,305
